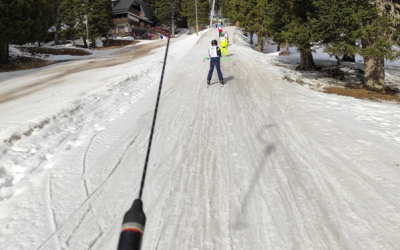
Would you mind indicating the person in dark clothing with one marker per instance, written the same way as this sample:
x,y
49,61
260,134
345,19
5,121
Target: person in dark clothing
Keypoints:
x,y
215,53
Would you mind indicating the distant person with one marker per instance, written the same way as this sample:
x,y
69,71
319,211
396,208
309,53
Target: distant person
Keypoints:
x,y
220,31
226,36
150,36
224,44
215,53
216,25
134,36
161,36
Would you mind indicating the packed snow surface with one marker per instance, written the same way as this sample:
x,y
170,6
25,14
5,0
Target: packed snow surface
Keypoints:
x,y
261,163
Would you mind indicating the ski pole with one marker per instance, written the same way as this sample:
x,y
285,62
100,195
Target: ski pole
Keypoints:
x,y
206,58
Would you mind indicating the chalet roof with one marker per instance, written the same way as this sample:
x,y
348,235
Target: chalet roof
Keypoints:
x,y
123,6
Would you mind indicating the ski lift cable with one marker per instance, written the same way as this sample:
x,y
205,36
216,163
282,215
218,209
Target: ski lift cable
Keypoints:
x,y
156,107
135,220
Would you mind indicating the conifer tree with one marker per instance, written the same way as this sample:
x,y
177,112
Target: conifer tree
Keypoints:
x,y
257,21
18,21
54,20
99,16
73,14
203,12
188,12
290,22
341,23
163,10
39,15
252,16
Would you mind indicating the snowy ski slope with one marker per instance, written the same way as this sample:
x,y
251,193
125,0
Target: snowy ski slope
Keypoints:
x,y
261,163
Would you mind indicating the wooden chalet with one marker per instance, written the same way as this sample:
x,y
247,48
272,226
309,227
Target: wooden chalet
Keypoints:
x,y
131,16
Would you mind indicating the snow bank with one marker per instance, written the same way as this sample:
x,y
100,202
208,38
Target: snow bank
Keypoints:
x,y
319,80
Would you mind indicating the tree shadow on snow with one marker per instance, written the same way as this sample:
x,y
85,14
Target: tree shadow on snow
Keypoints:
x,y
242,222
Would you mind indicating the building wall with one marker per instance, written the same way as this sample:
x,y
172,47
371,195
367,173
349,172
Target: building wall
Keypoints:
x,y
125,23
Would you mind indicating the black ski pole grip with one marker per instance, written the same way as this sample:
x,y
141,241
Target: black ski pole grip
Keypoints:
x,y
132,227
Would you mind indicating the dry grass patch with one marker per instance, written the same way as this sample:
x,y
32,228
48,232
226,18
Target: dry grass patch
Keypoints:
x,y
388,95
281,65
288,79
301,82
21,63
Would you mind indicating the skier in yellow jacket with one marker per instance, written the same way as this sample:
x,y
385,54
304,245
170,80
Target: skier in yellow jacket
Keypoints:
x,y
224,44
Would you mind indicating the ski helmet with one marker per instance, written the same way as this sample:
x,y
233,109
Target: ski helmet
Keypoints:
x,y
222,34
214,42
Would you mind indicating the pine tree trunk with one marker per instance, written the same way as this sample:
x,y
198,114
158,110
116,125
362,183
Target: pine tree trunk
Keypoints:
x,y
260,43
3,54
307,61
251,38
84,43
278,47
7,52
57,36
173,29
374,68
374,76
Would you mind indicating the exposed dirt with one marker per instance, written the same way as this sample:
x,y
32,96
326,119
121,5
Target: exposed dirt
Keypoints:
x,y
115,44
21,63
52,51
390,94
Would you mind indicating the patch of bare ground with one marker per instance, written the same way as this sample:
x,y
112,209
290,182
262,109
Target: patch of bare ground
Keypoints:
x,y
113,44
390,94
52,51
116,45
282,65
21,63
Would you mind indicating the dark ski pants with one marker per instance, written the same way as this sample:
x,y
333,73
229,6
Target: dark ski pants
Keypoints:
x,y
217,65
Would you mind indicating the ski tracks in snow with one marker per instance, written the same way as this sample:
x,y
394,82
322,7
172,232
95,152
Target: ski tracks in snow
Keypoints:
x,y
258,164
87,144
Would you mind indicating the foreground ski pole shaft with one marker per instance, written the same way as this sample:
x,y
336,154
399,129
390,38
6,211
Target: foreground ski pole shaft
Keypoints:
x,y
133,227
